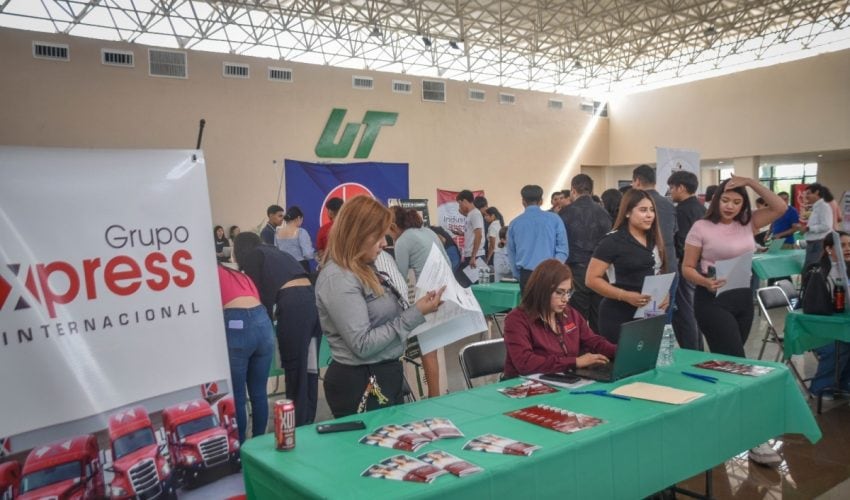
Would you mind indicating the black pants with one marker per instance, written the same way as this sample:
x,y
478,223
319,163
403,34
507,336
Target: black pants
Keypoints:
x,y
684,320
725,320
524,274
612,314
344,386
297,325
585,301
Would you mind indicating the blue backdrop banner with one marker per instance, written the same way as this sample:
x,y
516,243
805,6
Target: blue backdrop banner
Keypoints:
x,y
309,185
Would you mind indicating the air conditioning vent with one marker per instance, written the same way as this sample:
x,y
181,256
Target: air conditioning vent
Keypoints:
x,y
280,74
400,87
234,70
556,104
362,82
506,98
52,51
593,107
112,57
433,91
168,63
476,95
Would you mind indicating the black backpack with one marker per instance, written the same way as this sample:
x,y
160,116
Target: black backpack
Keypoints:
x,y
816,296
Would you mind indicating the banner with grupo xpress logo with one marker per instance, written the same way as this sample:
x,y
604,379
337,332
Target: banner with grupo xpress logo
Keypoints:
x,y
108,287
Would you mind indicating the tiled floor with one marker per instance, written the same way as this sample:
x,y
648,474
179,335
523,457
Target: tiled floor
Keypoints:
x,y
819,471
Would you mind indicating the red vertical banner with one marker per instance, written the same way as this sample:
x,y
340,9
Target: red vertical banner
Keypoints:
x,y
799,202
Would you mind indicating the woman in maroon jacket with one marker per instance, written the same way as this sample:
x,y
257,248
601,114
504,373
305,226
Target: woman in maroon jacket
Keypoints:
x,y
544,334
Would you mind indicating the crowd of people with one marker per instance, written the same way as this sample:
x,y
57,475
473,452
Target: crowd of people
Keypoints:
x,y
580,265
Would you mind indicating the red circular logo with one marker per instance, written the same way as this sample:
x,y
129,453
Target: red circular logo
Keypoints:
x,y
345,191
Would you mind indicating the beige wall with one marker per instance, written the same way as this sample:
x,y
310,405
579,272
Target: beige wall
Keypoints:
x,y
801,106
252,123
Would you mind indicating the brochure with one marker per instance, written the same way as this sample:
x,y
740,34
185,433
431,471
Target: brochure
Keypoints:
x,y
737,368
388,442
491,443
443,428
451,463
414,466
557,419
527,389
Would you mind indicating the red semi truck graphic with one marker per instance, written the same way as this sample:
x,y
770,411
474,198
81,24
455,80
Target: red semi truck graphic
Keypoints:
x,y
196,439
68,469
140,466
227,416
10,477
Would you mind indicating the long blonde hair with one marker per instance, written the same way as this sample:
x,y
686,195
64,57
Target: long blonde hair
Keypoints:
x,y
360,220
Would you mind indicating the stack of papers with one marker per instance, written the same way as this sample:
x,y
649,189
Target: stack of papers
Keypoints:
x,y
491,443
412,436
557,419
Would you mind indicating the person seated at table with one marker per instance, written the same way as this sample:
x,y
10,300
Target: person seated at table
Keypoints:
x,y
363,316
824,380
544,334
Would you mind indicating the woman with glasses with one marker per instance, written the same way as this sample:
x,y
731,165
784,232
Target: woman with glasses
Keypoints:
x,y
364,317
544,334
632,251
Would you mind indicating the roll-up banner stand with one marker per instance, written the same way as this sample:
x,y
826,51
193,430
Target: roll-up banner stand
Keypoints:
x,y
111,329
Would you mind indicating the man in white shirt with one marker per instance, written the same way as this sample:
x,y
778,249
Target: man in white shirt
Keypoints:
x,y
473,230
819,223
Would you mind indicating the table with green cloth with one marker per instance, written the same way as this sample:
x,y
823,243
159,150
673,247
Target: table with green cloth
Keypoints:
x,y
778,264
497,297
804,332
642,447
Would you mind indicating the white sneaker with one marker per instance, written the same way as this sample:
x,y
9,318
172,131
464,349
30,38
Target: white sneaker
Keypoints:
x,y
765,455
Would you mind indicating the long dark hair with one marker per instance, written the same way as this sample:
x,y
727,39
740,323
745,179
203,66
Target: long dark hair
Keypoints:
x,y
293,213
611,201
829,242
713,212
629,202
493,211
242,246
406,218
215,234
537,297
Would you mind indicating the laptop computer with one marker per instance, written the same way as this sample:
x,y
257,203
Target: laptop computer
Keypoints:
x,y
637,351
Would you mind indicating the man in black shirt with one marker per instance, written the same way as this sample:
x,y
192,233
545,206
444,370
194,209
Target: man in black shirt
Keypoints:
x,y
275,215
586,222
683,186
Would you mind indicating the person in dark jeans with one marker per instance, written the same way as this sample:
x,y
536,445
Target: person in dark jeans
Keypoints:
x,y
683,187
586,223
289,298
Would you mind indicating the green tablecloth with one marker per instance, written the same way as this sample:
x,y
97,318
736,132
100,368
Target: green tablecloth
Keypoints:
x,y
778,264
804,332
641,448
497,297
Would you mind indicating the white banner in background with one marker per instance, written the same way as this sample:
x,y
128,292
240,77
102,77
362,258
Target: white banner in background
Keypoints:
x,y
669,160
108,286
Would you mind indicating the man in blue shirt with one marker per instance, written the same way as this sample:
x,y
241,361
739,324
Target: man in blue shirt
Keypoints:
x,y
534,236
275,215
788,224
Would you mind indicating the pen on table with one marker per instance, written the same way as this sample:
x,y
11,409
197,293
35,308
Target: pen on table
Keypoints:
x,y
704,378
603,393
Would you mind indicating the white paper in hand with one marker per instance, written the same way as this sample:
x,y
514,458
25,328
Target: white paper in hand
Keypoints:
x,y
459,316
658,287
737,272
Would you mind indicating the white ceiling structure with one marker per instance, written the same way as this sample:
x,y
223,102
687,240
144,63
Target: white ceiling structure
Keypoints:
x,y
585,47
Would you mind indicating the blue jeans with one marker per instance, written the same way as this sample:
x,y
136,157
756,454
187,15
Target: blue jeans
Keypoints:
x,y
825,374
250,345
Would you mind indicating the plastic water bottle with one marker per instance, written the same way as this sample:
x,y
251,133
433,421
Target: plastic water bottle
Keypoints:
x,y
668,343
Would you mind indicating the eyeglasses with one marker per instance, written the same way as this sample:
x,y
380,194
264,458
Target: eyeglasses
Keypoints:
x,y
563,294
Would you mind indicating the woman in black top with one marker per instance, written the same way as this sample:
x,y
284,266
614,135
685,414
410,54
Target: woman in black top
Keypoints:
x,y
628,254
290,300
220,243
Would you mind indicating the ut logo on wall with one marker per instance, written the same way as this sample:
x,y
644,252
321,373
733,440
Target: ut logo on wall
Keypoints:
x,y
373,120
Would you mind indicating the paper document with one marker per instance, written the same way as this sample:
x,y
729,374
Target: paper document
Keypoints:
x,y
659,393
574,385
472,272
737,272
460,314
658,287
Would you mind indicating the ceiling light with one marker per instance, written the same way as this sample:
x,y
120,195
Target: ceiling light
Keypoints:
x,y
820,156
453,44
375,32
710,31
426,41
577,64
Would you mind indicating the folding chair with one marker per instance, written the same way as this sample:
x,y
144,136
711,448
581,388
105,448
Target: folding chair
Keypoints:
x,y
790,290
771,299
479,359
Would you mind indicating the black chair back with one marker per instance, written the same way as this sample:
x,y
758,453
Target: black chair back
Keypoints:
x,y
482,358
